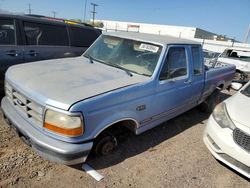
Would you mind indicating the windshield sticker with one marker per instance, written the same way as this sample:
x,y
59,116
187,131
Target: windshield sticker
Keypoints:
x,y
149,47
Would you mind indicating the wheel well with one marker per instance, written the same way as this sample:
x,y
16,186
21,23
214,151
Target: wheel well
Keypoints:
x,y
120,126
220,87
239,71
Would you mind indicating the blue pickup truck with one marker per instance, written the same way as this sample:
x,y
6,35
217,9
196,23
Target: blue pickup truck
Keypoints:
x,y
65,108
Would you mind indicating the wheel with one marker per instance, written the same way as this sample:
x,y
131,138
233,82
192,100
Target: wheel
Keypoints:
x,y
105,144
209,104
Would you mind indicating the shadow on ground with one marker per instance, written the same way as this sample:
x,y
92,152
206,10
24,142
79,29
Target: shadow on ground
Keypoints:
x,y
131,145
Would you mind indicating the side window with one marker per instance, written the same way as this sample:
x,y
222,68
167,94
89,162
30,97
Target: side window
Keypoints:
x,y
226,53
7,32
197,63
82,37
175,64
43,34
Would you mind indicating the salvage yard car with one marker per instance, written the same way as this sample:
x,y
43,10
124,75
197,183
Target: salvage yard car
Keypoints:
x,y
227,133
28,38
240,57
65,108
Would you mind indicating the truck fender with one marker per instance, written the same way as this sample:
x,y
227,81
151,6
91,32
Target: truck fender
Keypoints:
x,y
115,119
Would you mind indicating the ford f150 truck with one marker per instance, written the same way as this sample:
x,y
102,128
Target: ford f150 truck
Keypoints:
x,y
65,108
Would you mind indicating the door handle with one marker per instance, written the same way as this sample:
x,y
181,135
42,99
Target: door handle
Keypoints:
x,y
12,53
32,53
188,82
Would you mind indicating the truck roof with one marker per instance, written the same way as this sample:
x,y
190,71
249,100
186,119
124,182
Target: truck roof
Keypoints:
x,y
160,39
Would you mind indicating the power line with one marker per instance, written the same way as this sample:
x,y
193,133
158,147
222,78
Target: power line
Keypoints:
x,y
94,12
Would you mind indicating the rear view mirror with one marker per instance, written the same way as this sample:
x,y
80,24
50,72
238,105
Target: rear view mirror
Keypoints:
x,y
236,86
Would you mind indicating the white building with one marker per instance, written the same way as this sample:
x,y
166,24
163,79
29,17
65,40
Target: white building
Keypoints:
x,y
210,41
177,31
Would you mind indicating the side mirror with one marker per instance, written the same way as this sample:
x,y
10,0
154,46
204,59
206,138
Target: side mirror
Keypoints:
x,y
236,86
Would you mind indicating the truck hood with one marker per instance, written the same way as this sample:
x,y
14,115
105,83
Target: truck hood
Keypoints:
x,y
238,109
63,82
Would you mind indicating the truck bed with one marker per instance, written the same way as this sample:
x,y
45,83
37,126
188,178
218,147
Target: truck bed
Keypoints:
x,y
218,75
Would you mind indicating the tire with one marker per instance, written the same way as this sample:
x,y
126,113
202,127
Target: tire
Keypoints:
x,y
105,144
209,104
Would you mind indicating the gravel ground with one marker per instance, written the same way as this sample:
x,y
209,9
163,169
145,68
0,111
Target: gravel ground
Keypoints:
x,y
170,155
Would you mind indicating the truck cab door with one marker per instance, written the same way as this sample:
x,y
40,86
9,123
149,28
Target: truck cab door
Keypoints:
x,y
174,88
197,72
10,52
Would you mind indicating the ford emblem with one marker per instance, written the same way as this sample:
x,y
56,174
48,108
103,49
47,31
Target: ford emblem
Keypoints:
x,y
19,102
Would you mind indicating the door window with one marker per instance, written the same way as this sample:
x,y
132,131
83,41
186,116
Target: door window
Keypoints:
x,y
82,37
43,34
197,63
7,32
175,64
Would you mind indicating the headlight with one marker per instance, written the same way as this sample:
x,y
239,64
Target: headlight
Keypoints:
x,y
222,118
67,125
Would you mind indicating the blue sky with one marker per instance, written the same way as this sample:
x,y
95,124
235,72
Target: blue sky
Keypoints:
x,y
227,17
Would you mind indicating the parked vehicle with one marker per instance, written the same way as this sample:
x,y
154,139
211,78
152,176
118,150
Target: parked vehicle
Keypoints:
x,y
210,57
227,133
124,80
240,57
32,38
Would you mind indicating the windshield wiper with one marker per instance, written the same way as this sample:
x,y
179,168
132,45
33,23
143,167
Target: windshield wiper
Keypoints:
x,y
90,58
120,67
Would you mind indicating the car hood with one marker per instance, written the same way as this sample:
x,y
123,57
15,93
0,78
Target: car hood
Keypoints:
x,y
238,107
240,65
63,82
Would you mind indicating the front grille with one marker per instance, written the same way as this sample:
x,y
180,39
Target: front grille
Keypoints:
x,y
27,107
242,139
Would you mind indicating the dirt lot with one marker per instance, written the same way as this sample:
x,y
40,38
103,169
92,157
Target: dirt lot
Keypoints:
x,y
171,155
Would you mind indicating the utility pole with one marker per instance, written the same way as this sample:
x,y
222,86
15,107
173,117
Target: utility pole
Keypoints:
x,y
29,9
247,34
94,12
54,13
85,6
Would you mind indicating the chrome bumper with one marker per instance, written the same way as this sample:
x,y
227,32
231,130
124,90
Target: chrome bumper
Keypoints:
x,y
47,147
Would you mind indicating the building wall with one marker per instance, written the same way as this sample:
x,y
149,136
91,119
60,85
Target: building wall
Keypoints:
x,y
206,38
220,46
177,31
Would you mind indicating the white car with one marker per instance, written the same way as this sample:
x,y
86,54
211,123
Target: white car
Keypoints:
x,y
240,57
227,133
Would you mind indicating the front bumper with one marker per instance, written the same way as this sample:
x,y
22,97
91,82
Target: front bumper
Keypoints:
x,y
47,147
221,144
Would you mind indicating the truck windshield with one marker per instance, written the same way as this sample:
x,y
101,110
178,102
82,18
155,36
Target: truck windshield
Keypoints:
x,y
132,55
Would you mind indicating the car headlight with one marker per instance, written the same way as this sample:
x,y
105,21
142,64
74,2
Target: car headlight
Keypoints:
x,y
222,118
63,124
